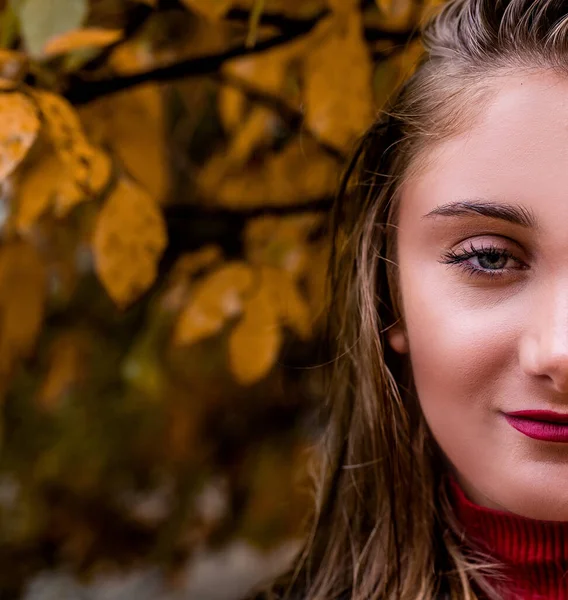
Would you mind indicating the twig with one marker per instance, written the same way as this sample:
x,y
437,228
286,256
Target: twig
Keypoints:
x,y
81,90
293,117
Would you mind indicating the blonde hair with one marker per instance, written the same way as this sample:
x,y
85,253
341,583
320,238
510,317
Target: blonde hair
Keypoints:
x,y
383,526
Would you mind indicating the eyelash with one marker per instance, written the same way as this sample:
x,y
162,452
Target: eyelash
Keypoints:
x,y
460,259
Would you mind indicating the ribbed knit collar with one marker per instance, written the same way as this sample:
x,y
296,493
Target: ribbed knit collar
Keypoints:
x,y
534,552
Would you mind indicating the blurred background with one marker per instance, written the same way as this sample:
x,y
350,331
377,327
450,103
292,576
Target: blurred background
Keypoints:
x,y
167,168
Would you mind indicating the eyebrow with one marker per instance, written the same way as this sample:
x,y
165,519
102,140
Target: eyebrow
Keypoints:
x,y
517,214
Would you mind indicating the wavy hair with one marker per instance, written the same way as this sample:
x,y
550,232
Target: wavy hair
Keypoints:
x,y
383,526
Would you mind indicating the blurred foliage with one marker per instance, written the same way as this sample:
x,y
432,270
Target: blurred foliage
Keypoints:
x,y
166,171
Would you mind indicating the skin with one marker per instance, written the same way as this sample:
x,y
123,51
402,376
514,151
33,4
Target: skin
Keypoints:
x,y
479,345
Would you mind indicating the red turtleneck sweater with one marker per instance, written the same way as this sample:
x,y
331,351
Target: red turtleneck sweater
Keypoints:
x,y
535,552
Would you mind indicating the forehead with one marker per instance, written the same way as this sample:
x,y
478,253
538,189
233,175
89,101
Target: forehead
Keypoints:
x,y
516,151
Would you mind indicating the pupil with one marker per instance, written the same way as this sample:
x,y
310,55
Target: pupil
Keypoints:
x,y
492,260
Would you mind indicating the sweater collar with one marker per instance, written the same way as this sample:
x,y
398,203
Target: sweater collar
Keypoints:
x,y
534,552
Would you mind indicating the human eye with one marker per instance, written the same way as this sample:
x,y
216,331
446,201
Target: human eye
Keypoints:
x,y
487,260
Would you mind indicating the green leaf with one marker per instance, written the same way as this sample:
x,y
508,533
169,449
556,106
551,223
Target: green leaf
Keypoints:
x,y
41,20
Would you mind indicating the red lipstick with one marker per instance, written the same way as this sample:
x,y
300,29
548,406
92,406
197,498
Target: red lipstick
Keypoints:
x,y
545,425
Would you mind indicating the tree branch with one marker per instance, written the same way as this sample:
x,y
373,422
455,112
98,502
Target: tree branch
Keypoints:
x,y
293,117
81,90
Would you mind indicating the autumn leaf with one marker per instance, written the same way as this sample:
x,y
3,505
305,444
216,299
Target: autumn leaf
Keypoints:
x,y
67,367
88,168
78,39
344,6
191,263
132,124
13,68
397,14
128,241
213,9
317,289
19,126
62,123
22,301
280,242
46,185
42,20
255,340
299,172
37,189
338,89
293,310
218,297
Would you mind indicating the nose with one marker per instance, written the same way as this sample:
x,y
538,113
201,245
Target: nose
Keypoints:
x,y
544,347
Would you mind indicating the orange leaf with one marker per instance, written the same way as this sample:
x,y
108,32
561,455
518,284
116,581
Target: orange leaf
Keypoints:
x,y
77,39
22,300
132,123
68,359
213,9
218,297
47,185
189,264
129,239
19,126
86,164
299,172
37,189
255,341
338,90
280,242
292,309
344,6
13,68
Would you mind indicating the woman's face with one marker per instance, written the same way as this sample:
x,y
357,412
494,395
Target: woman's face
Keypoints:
x,y
483,258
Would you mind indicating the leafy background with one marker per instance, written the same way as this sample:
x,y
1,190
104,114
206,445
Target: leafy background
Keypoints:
x,y
167,168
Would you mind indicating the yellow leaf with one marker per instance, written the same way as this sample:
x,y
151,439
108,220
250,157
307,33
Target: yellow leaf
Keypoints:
x,y
71,192
292,8
213,9
132,124
67,366
189,264
255,341
232,105
291,307
77,39
128,241
431,7
218,296
299,172
62,123
397,14
280,242
46,184
13,68
37,189
344,6
88,167
19,126
338,89
22,300
317,287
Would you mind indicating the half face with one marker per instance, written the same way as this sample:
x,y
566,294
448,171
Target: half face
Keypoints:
x,y
483,270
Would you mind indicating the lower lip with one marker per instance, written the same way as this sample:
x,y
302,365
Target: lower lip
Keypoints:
x,y
539,430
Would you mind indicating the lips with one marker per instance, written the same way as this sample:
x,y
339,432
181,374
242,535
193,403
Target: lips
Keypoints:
x,y
548,416
541,425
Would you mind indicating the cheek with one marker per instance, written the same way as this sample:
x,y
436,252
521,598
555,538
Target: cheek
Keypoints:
x,y
462,348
